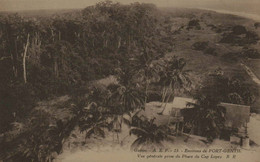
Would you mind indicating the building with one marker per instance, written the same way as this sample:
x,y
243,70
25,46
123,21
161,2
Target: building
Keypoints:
x,y
171,115
237,117
177,112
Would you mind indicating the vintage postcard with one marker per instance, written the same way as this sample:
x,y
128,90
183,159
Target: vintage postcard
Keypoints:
x,y
129,80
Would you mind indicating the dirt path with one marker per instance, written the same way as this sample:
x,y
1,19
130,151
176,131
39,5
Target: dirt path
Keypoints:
x,y
251,74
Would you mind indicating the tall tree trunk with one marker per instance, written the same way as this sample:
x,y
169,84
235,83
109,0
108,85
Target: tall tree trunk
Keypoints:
x,y
119,42
146,91
168,98
14,69
59,35
164,93
14,59
52,35
128,47
24,59
56,71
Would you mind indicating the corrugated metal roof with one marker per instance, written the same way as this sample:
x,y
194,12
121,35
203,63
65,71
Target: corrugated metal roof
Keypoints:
x,y
181,102
177,104
171,112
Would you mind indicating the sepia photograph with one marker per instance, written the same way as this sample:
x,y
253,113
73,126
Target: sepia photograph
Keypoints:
x,y
129,80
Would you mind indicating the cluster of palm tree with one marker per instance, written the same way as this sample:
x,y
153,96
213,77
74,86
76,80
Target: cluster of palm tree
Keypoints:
x,y
208,117
50,56
174,77
229,89
39,138
106,107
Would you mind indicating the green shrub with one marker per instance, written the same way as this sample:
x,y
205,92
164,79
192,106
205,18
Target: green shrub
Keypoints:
x,y
210,51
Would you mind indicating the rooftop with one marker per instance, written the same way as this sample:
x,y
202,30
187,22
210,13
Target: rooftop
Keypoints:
x,y
172,109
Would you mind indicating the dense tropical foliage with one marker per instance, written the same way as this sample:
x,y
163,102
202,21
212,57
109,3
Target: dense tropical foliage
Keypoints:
x,y
70,54
46,57
65,54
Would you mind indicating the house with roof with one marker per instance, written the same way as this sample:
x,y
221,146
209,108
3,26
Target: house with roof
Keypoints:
x,y
171,115
237,116
236,120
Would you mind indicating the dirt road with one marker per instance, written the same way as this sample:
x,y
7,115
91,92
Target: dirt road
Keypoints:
x,y
251,74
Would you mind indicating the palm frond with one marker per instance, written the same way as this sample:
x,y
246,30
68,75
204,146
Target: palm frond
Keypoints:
x,y
139,141
138,131
89,132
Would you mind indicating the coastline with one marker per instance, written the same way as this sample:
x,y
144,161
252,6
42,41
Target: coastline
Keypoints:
x,y
254,17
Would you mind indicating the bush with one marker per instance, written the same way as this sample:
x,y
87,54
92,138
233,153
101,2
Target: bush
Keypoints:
x,y
211,51
204,46
238,30
250,38
256,25
230,57
251,53
194,24
16,102
231,38
200,46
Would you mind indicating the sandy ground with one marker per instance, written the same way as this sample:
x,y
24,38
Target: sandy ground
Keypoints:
x,y
254,128
99,149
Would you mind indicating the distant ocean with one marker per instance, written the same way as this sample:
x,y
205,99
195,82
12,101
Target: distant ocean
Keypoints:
x,y
255,17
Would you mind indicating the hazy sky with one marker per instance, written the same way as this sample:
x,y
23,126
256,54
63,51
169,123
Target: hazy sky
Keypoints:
x,y
249,6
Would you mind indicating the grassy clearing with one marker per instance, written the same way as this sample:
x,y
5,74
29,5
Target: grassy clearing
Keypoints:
x,y
200,63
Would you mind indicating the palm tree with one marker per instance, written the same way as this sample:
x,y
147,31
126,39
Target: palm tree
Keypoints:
x,y
88,113
93,121
127,94
95,124
147,69
122,101
125,97
173,77
149,134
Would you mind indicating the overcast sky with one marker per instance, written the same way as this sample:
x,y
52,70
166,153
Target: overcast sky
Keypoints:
x,y
249,6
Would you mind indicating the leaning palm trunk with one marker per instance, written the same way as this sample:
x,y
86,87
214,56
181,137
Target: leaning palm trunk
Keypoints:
x,y
164,93
167,100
